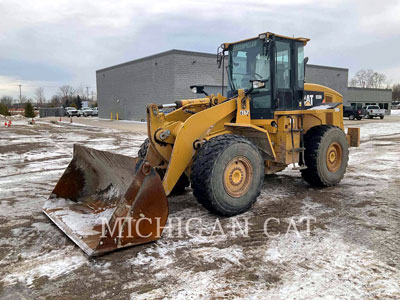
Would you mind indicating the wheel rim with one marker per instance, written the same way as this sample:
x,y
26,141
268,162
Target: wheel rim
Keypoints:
x,y
334,157
238,176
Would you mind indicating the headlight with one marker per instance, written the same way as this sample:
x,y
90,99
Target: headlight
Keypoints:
x,y
194,90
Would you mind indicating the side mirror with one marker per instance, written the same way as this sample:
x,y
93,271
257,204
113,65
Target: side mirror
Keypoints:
x,y
219,59
258,84
305,61
198,89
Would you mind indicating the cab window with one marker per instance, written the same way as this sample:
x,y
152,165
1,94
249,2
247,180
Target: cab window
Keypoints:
x,y
282,65
300,67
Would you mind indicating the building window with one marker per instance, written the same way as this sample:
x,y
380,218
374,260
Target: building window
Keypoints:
x,y
386,105
359,105
353,105
380,105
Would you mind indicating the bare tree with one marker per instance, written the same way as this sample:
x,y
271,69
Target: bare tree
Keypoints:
x,y
7,101
80,91
377,80
359,79
55,101
368,79
66,91
396,92
39,96
23,99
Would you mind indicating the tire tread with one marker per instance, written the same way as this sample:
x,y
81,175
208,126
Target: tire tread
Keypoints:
x,y
202,168
312,142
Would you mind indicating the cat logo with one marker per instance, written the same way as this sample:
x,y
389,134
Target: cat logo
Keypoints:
x,y
309,100
312,98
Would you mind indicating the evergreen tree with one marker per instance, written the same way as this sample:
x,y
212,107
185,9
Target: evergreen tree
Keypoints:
x,y
78,102
4,110
29,111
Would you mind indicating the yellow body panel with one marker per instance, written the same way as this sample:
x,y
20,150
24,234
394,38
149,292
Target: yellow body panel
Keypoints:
x,y
194,128
174,137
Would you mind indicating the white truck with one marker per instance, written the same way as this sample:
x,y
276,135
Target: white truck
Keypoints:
x,y
372,111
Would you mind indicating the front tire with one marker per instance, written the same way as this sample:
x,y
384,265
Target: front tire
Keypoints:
x,y
143,149
326,155
382,117
227,175
351,117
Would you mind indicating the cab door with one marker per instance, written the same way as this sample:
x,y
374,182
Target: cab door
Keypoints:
x,y
261,106
283,75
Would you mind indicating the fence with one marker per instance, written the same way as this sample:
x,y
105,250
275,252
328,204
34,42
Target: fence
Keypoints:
x,y
52,112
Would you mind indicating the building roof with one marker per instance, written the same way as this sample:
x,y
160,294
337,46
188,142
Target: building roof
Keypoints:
x,y
326,67
158,55
369,89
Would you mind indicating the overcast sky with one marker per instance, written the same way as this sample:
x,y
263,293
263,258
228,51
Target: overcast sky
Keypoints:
x,y
52,43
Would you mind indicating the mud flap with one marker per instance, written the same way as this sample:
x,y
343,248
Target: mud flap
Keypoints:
x,y
107,201
353,137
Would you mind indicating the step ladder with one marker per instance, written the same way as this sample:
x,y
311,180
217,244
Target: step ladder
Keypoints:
x,y
301,149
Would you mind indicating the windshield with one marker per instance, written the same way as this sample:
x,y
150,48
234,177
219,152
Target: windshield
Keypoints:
x,y
247,62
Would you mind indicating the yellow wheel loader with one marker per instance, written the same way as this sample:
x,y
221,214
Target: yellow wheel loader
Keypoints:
x,y
221,145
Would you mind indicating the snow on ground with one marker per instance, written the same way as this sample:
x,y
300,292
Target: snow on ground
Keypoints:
x,y
350,252
52,265
395,112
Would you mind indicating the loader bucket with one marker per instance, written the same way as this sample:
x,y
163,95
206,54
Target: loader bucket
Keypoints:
x,y
107,201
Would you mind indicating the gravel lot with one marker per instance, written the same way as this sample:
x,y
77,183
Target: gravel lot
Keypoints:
x,y
351,249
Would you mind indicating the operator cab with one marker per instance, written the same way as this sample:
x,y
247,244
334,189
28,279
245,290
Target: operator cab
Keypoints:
x,y
276,60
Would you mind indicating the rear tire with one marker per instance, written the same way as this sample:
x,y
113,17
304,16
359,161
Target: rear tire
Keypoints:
x,y
227,175
183,181
351,117
382,117
326,155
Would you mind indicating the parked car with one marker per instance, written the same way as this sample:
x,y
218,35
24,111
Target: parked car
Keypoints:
x,y
374,111
353,113
86,111
71,111
395,105
95,111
